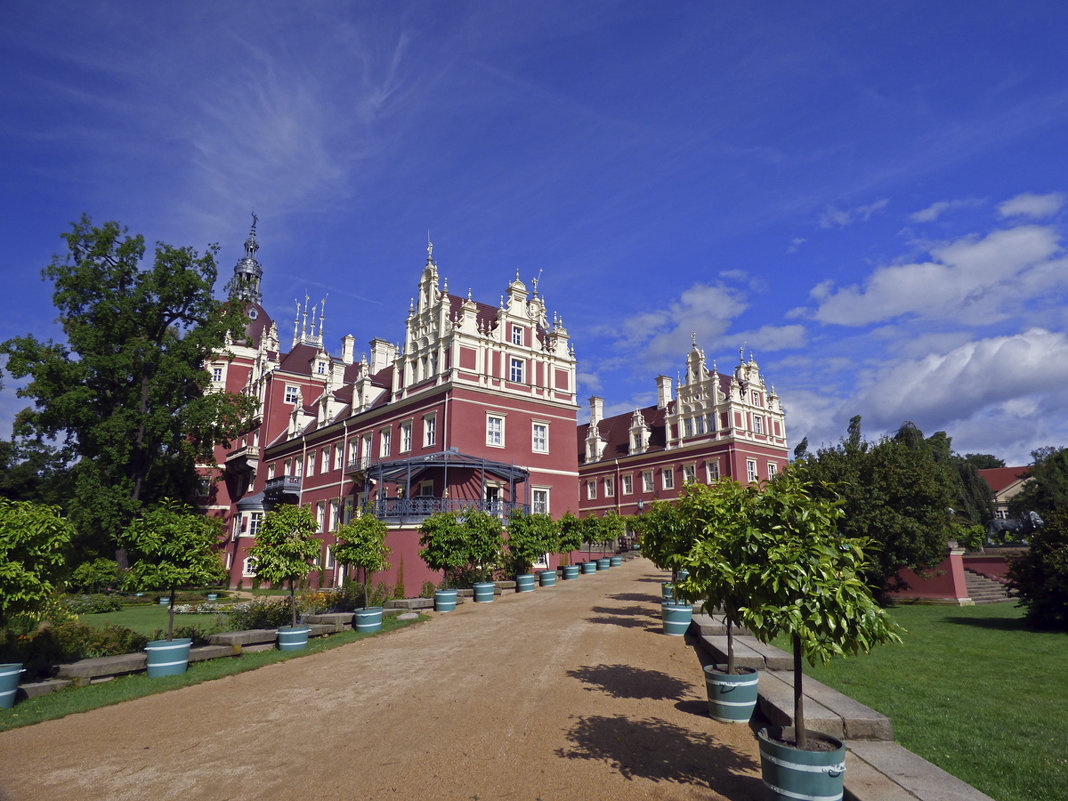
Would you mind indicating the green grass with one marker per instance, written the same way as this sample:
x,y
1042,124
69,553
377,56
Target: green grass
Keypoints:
x,y
972,691
147,618
82,699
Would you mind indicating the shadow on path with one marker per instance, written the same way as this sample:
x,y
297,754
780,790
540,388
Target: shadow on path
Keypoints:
x,y
635,596
626,681
659,751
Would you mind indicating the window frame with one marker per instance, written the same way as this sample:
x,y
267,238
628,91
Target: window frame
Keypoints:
x,y
291,394
494,430
516,369
534,426
667,478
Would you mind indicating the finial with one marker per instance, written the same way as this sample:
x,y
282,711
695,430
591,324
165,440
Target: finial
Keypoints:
x,y
693,336
502,301
429,248
516,273
255,220
469,293
445,289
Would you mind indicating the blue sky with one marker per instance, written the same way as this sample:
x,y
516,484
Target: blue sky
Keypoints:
x,y
872,197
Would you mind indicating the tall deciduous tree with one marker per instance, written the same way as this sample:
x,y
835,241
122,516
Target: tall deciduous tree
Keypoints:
x,y
1047,487
126,394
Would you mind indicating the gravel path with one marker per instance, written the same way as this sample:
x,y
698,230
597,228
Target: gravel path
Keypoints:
x,y
569,692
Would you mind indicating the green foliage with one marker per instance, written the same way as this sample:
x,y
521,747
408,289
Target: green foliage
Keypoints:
x,y
285,546
68,642
530,536
428,590
804,579
1047,487
173,546
483,533
666,538
93,604
442,542
570,535
975,499
362,543
261,613
612,527
125,394
972,538
34,471
1040,576
198,634
95,576
33,539
983,461
896,493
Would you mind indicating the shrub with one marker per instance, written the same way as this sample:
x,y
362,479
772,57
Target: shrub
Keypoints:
x,y
261,614
92,604
428,590
1040,576
198,634
68,642
95,576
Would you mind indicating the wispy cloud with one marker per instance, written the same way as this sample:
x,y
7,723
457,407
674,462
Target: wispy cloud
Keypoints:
x,y
1031,205
833,217
936,210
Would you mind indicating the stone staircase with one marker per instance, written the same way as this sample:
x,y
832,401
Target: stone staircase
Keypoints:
x,y
983,590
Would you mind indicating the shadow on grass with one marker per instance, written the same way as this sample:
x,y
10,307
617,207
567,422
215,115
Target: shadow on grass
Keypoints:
x,y
659,751
626,681
996,623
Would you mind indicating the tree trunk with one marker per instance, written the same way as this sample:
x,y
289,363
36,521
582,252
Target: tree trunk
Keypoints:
x,y
730,649
170,619
366,593
293,602
799,697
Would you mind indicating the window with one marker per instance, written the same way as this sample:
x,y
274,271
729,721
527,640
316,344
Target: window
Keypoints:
x,y
320,515
326,460
286,469
756,398
426,489
689,427
758,424
216,374
292,394
384,442
248,569
689,473
298,467
647,481
516,372
348,510
270,471
771,470
751,470
712,468
332,522
667,478
311,463
540,501
430,430
366,449
406,437
254,523
609,487
495,430
337,457
540,438
329,564
517,335
628,485
320,368
591,489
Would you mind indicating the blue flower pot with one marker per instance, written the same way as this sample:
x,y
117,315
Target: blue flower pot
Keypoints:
x,y
589,567
524,582
369,619
445,600
616,561
667,590
604,563
168,657
164,601
676,618
571,572
732,697
483,592
9,683
547,578
213,596
292,638
790,773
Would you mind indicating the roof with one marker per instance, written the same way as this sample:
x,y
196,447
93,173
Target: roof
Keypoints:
x,y
397,469
616,433
1001,477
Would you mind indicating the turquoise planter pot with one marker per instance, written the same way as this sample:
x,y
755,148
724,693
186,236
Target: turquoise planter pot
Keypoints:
x,y
570,572
667,590
524,582
292,638
9,683
790,773
483,592
676,618
168,657
616,561
732,697
547,578
213,596
589,567
369,619
604,563
445,600
164,601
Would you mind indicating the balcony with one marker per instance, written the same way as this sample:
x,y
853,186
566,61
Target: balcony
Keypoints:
x,y
284,489
414,510
243,460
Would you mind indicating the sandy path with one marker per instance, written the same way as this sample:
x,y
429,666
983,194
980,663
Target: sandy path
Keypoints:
x,y
568,692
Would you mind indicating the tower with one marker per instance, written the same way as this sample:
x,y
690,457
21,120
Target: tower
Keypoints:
x,y
247,271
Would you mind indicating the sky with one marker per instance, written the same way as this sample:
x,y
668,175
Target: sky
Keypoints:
x,y
871,198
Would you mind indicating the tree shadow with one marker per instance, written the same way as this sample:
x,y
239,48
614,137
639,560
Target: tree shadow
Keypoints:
x,y
659,751
654,580
635,596
996,623
697,708
626,681
626,611
624,622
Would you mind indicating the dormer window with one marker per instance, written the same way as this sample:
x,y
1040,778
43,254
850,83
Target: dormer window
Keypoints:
x,y
517,335
320,368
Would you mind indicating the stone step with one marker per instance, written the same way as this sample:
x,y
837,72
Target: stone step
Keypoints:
x,y
748,652
826,710
984,590
884,771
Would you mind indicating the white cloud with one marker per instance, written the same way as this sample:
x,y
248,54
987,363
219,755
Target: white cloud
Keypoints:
x,y
774,337
837,218
935,210
973,280
1032,205
795,244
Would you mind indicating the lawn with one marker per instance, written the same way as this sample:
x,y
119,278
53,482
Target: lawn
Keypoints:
x,y
148,618
972,691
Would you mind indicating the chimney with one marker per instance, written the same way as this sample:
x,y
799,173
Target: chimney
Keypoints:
x,y
596,411
348,346
382,354
663,391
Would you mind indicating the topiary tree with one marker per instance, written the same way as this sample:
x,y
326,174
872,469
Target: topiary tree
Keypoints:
x,y
591,533
172,546
443,544
612,527
285,546
1040,576
666,538
96,575
33,538
482,533
569,535
530,536
805,580
362,543
720,517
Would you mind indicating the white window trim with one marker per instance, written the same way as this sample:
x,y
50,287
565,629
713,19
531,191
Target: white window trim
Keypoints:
x,y
500,418
406,436
591,490
534,425
712,470
689,473
430,430
291,389
609,487
516,366
533,505
385,442
648,481
751,470
627,487
667,478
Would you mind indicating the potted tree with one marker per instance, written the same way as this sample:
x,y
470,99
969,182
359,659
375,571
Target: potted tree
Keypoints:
x,y
569,539
361,543
591,534
611,529
172,546
719,515
666,540
482,533
33,541
804,581
530,537
444,549
285,546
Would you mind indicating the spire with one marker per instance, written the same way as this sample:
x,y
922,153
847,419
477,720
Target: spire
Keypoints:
x,y
247,271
